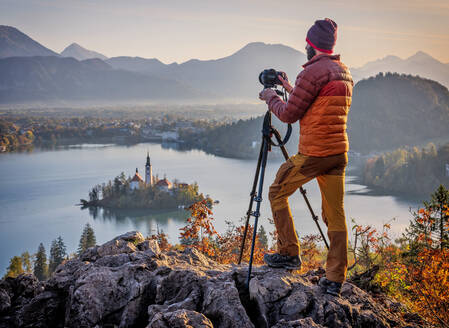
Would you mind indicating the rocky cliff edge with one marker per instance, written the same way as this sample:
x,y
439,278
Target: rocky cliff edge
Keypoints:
x,y
129,282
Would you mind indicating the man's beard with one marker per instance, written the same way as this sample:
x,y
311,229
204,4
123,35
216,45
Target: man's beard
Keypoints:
x,y
310,52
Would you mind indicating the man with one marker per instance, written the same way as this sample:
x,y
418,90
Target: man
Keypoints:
x,y
320,100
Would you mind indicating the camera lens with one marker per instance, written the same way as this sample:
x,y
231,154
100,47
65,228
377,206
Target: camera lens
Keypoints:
x,y
269,78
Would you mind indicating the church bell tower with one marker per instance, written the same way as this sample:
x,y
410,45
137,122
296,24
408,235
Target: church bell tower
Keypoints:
x,y
148,171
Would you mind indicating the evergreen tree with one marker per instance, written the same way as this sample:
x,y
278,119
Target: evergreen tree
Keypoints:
x,y
40,265
57,254
87,239
429,226
263,238
438,207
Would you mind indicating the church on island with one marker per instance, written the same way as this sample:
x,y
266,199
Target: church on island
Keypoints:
x,y
150,180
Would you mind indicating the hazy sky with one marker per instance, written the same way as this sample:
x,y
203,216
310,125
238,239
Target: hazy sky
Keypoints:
x,y
185,29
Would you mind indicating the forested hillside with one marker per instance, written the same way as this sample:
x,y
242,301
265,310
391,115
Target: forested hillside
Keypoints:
x,y
388,111
392,110
240,139
409,170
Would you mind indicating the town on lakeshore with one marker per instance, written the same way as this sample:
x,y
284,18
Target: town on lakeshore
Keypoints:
x,y
143,193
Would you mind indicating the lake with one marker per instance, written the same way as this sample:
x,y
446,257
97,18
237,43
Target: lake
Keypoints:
x,y
39,191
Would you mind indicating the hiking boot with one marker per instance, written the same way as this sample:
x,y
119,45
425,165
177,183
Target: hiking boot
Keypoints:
x,y
277,260
331,287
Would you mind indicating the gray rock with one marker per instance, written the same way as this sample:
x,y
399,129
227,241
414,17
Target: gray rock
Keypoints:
x,y
104,293
279,295
180,319
149,245
222,303
44,310
5,301
16,293
300,323
129,282
125,243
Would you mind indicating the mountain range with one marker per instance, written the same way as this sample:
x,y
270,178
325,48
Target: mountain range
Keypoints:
x,y
388,111
232,78
51,78
420,64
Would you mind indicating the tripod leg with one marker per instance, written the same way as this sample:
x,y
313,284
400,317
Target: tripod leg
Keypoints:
x,y
301,189
250,208
258,199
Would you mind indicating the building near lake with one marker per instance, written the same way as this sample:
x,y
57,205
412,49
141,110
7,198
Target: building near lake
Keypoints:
x,y
164,184
148,171
135,181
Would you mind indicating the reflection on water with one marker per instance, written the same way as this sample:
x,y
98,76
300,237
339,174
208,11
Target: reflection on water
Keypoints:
x,y
146,221
153,221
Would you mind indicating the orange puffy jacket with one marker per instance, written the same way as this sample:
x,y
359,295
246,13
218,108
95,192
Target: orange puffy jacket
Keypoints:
x,y
320,100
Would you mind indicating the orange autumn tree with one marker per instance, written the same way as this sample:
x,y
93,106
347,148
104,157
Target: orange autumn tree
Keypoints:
x,y
230,242
200,234
199,231
161,239
427,272
312,256
415,271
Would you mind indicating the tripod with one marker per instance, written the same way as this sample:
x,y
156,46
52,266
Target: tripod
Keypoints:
x,y
267,131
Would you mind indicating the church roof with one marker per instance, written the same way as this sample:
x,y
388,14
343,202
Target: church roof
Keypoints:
x,y
137,177
164,182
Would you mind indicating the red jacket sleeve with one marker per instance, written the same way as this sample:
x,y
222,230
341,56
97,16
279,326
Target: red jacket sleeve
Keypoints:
x,y
302,96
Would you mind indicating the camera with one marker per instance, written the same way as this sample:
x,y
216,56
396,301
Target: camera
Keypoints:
x,y
269,78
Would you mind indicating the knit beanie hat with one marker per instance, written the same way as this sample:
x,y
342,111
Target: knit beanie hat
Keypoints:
x,y
322,35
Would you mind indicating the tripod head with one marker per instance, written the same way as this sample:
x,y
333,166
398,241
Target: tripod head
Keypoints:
x,y
268,130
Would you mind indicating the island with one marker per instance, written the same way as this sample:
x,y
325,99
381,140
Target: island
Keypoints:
x,y
138,193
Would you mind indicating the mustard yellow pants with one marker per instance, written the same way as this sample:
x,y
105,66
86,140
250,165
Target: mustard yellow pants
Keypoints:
x,y
330,174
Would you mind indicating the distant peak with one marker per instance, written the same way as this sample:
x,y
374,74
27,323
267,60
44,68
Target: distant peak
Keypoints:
x,y
421,55
390,57
255,44
81,53
15,43
258,46
263,44
74,45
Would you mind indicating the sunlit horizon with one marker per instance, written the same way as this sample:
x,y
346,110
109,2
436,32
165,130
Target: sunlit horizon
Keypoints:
x,y
178,32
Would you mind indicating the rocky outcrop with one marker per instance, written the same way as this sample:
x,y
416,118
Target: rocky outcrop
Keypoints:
x,y
129,282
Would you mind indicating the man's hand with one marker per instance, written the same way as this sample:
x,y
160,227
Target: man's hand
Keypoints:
x,y
284,79
267,94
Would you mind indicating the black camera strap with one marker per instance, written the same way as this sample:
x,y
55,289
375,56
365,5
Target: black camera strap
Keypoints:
x,y
267,129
